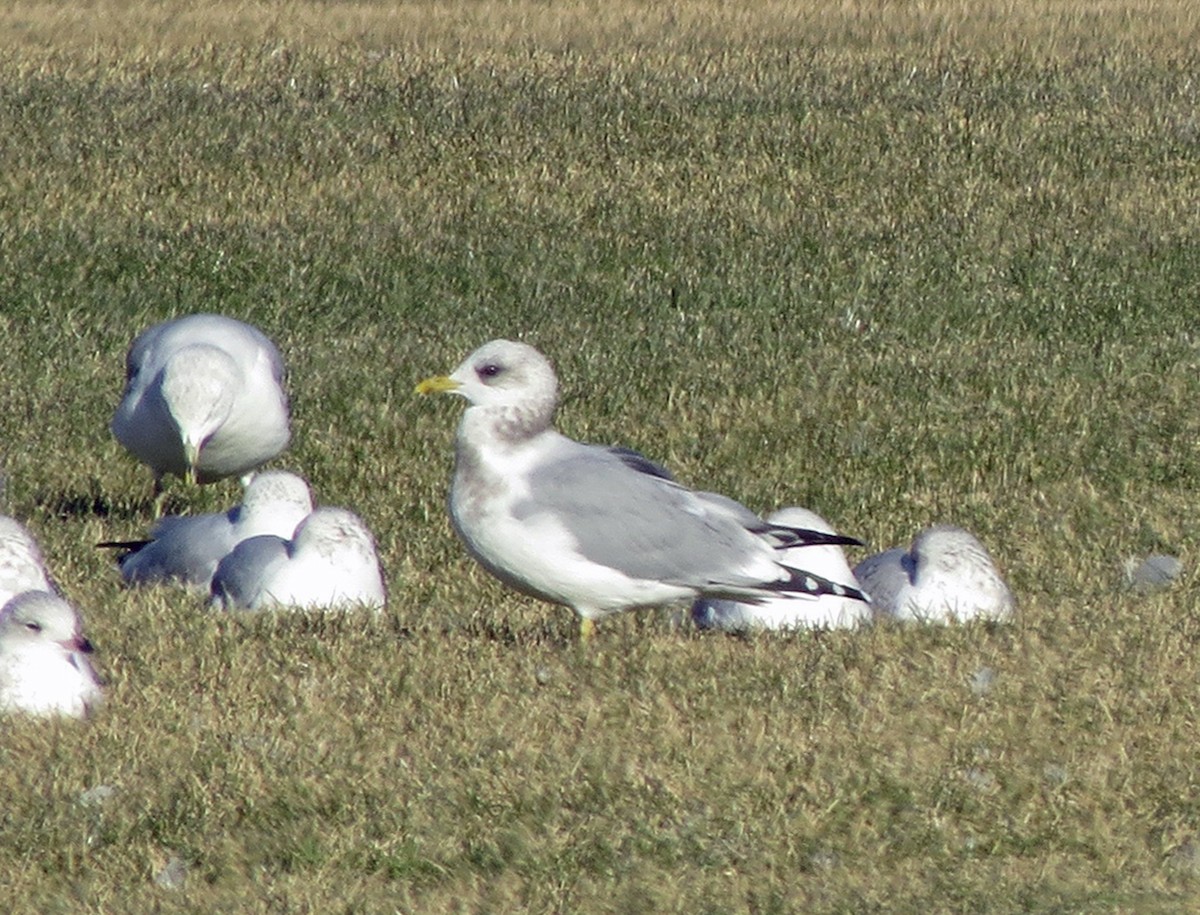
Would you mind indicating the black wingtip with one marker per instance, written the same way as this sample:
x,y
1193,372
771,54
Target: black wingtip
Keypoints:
x,y
132,545
785,538
635,460
810,584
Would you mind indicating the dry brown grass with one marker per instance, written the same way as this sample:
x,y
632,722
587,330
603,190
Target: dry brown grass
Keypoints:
x,y
901,262
139,29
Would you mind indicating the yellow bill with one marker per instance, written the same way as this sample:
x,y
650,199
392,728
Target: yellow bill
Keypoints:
x,y
438,384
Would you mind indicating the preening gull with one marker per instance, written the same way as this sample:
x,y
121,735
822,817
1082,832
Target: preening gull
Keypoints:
x,y
22,567
44,668
203,399
598,529
828,611
186,549
946,575
331,562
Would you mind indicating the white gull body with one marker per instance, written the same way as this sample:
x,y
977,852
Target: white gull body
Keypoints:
x,y
203,398
331,562
22,567
946,575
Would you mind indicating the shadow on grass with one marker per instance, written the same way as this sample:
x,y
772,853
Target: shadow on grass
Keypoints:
x,y
95,503
514,632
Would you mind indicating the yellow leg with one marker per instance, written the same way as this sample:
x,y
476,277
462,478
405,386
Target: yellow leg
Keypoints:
x,y
587,629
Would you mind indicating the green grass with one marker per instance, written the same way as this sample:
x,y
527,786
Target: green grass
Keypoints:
x,y
900,265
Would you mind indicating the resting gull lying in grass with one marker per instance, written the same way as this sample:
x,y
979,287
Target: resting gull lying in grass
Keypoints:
x,y
331,562
203,399
826,611
186,549
946,575
598,529
21,565
44,669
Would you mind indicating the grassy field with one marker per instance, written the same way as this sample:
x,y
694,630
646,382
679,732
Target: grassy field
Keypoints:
x,y
900,263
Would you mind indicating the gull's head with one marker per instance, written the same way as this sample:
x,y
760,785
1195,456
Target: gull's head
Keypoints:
x,y
959,565
198,385
274,502
946,548
334,531
39,617
502,373
270,488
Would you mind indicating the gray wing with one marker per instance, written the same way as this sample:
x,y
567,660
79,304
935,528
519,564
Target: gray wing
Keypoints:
x,y
185,550
240,579
883,576
140,350
639,522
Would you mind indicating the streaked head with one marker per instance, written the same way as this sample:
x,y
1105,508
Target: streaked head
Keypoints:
x,y
199,385
269,488
330,530
946,548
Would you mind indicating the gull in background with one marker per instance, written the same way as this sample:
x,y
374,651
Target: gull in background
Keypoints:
x,y
826,611
330,562
203,399
44,666
946,575
598,529
186,549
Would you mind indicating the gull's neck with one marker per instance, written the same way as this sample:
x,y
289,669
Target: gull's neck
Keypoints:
x,y
492,443
505,426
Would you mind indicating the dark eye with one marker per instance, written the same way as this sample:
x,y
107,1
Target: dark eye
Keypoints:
x,y
491,370
33,627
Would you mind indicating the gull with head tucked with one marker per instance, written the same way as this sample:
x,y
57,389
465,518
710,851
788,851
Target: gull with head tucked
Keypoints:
x,y
185,549
203,399
330,562
598,529
44,666
946,575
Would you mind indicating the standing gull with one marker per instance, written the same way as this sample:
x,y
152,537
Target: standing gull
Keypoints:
x,y
44,668
598,529
203,399
946,575
186,549
331,562
798,611
21,565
